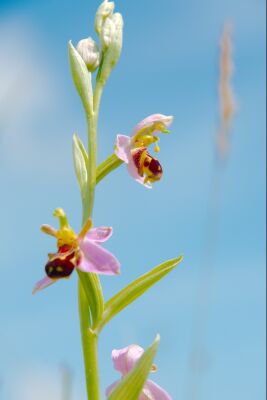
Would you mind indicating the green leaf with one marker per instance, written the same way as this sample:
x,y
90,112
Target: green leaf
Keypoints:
x,y
93,291
82,79
132,384
127,295
80,159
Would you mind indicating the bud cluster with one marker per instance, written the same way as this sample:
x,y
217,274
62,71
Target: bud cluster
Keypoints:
x,y
109,27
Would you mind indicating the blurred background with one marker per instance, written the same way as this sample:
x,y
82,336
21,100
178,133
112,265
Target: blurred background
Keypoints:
x,y
210,311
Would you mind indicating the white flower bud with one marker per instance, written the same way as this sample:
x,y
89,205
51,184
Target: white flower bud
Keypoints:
x,y
107,33
116,44
88,50
118,22
104,10
113,52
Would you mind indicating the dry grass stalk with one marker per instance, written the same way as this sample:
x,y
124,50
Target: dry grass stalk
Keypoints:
x,y
227,100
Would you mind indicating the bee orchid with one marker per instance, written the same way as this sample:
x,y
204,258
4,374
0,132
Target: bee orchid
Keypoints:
x,y
144,168
82,251
124,361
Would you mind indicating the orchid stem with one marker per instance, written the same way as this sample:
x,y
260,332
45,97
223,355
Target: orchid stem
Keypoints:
x,y
89,337
91,167
89,343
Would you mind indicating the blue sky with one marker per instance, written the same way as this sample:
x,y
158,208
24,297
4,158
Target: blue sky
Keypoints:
x,y
169,65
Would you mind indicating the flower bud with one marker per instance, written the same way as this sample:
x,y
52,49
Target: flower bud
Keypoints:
x,y
116,44
118,22
104,10
113,52
88,50
107,33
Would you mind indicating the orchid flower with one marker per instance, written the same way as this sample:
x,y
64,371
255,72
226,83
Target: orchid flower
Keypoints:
x,y
144,168
124,361
82,251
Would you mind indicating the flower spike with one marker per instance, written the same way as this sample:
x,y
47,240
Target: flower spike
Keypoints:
x,y
143,167
81,251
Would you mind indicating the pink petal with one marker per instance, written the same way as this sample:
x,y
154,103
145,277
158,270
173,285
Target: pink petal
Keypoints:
x,y
111,387
42,284
152,391
98,260
150,124
100,234
125,359
122,148
134,173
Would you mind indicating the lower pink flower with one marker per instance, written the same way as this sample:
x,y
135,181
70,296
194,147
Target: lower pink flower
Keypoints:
x,y
82,251
124,361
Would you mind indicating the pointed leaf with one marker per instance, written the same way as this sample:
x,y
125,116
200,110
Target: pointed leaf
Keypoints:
x,y
127,295
132,384
82,79
80,165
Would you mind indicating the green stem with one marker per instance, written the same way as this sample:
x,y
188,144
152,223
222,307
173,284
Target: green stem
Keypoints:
x,y
97,97
91,303
89,343
92,122
91,167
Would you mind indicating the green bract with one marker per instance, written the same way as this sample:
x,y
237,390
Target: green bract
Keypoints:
x,y
93,293
80,160
82,79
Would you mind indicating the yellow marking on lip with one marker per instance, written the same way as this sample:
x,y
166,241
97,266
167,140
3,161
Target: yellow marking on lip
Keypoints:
x,y
141,167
